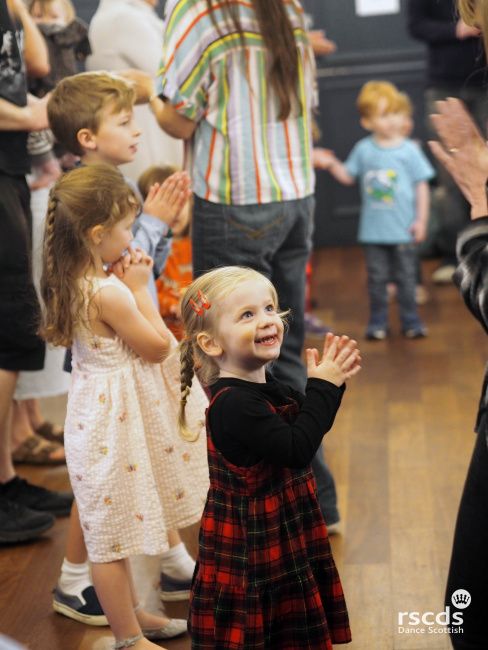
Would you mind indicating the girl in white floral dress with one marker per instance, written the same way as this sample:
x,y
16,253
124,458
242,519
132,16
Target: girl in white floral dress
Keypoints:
x,y
133,477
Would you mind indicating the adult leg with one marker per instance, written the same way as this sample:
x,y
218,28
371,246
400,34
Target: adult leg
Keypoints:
x,y
288,274
8,380
326,489
24,509
469,561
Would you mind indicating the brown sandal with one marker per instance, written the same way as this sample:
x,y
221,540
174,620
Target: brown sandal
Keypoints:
x,y
47,431
37,451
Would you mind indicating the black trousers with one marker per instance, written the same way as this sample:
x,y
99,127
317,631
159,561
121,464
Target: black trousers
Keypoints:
x,y
20,347
469,560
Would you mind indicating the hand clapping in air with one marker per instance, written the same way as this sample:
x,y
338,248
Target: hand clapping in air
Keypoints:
x,y
340,360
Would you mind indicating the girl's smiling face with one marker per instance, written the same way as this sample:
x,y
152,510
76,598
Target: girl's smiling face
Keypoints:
x,y
249,331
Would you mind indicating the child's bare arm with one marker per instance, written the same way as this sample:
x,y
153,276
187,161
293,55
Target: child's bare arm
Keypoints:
x,y
422,199
140,325
133,323
326,159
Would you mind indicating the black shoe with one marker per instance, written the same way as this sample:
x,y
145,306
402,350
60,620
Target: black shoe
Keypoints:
x,y
19,524
86,609
36,497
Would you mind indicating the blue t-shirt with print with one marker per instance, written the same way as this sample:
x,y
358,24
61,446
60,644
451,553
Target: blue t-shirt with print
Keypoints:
x,y
388,177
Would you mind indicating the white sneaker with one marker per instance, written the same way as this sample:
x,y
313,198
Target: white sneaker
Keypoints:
x,y
335,529
443,275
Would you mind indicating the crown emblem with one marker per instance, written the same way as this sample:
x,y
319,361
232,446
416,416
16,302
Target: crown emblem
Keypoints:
x,y
461,598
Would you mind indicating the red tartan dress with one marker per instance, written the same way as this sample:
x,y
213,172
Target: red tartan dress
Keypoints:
x,y
265,576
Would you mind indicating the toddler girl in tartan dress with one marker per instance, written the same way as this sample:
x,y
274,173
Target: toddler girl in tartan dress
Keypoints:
x,y
265,577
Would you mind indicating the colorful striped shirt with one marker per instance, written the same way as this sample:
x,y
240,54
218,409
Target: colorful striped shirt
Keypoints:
x,y
241,153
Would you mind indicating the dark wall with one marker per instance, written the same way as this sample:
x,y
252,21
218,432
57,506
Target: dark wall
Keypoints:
x,y
375,47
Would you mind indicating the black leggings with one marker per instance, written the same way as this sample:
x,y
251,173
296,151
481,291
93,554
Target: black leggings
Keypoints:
x,y
469,560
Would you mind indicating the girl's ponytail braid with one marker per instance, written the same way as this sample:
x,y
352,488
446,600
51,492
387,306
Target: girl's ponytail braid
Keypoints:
x,y
48,279
187,370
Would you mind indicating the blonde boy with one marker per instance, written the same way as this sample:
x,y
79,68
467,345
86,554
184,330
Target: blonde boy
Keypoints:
x,y
393,173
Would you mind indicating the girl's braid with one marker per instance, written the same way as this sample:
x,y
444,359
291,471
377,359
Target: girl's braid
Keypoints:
x,y
187,370
47,292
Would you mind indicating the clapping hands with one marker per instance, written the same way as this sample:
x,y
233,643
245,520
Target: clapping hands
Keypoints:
x,y
166,200
340,360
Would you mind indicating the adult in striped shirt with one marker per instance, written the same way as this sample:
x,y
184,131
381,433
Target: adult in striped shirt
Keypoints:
x,y
238,83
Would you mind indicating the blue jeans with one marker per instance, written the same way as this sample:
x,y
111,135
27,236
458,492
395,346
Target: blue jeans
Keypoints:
x,y
274,239
387,262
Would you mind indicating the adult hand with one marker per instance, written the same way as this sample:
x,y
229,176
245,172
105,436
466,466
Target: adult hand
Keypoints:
x,y
466,31
321,45
142,83
463,152
323,158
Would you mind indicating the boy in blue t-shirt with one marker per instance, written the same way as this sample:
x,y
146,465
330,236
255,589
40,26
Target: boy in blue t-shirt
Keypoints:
x,y
393,173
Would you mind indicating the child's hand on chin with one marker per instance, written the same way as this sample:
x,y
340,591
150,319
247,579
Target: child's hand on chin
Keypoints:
x,y
340,360
131,256
137,274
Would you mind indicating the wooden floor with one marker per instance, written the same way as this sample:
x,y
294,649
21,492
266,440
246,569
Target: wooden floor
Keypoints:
x,y
399,453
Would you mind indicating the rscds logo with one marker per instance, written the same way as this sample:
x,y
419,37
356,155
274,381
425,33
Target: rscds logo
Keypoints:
x,y
448,621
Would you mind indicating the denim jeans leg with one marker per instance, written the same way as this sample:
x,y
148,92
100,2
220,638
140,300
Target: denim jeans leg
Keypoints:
x,y
288,276
378,268
326,489
404,263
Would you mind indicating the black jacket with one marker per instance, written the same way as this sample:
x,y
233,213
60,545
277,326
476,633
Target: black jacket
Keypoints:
x,y
451,63
472,278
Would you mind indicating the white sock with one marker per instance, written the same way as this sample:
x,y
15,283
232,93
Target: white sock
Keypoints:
x,y
177,563
74,578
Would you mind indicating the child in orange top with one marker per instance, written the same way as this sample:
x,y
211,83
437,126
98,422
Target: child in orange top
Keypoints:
x,y
177,273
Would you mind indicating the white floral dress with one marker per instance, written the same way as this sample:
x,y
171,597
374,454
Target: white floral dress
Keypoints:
x,y
133,476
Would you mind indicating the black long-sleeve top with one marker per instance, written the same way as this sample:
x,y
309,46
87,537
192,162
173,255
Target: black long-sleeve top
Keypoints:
x,y
451,62
246,430
471,276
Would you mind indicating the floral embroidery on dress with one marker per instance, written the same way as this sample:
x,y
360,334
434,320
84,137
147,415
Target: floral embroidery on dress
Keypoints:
x,y
131,467
78,477
169,450
81,426
186,457
116,548
102,398
139,516
123,417
179,494
108,501
104,451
